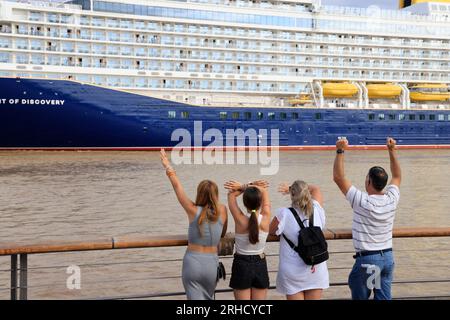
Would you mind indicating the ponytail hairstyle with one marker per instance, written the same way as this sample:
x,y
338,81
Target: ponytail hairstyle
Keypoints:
x,y
208,198
252,201
301,197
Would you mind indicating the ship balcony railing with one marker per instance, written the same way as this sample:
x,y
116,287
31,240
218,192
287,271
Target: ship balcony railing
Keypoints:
x,y
36,33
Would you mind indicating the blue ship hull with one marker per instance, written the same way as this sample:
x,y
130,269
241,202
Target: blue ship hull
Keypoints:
x,y
59,114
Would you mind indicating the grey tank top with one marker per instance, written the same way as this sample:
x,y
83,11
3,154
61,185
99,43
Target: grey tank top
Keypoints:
x,y
212,231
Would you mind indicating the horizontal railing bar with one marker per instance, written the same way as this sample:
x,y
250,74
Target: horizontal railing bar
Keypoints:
x,y
181,240
168,294
271,271
89,265
180,293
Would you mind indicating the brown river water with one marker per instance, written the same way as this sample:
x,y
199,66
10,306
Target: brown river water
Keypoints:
x,y
88,195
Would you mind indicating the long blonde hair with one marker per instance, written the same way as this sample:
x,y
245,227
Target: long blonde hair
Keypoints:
x,y
301,197
208,198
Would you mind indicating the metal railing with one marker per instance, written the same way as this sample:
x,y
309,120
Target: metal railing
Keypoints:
x,y
20,270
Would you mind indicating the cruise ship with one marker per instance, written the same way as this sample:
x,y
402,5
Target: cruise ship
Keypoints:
x,y
126,74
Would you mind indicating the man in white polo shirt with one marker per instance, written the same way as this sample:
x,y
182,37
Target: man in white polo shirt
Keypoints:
x,y
373,220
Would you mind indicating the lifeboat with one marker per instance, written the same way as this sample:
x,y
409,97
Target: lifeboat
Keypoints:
x,y
300,100
339,90
404,3
429,92
385,90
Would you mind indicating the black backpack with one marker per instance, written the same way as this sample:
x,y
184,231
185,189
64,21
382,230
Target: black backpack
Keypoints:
x,y
312,246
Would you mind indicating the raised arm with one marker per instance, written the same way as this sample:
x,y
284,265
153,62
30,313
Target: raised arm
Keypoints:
x,y
235,189
338,169
316,194
225,223
395,165
187,204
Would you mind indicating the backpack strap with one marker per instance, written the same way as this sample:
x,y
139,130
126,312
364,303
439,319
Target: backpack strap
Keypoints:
x,y
300,223
297,218
311,220
290,243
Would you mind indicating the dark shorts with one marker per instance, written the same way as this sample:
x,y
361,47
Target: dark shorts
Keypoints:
x,y
249,272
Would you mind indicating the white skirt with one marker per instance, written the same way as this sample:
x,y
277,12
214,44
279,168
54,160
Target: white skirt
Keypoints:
x,y
295,276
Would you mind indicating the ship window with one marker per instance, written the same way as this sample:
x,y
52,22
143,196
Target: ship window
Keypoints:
x,y
412,117
247,115
283,116
235,115
381,116
318,116
392,117
371,116
294,115
171,114
448,117
223,115
185,114
421,117
441,117
271,115
401,117
260,115
432,117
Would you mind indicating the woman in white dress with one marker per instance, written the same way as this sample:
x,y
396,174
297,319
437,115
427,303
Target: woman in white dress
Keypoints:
x,y
295,279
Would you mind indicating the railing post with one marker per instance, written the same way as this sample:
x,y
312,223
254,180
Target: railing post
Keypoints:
x,y
23,277
14,277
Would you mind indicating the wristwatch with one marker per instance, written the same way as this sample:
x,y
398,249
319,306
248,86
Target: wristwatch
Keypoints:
x,y
340,151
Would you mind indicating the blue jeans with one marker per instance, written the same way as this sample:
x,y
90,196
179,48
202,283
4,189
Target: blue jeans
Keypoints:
x,y
372,273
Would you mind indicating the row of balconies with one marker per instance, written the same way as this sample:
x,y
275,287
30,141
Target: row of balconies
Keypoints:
x,y
206,68
141,51
192,29
276,59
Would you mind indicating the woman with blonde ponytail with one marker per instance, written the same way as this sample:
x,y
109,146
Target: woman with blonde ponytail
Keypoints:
x,y
207,224
295,279
249,275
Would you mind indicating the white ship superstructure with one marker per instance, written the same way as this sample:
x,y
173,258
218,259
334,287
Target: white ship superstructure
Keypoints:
x,y
236,53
